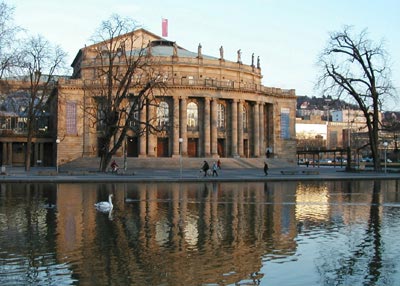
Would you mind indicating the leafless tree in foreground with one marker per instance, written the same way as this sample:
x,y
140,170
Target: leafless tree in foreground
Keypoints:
x,y
8,41
353,65
39,62
126,81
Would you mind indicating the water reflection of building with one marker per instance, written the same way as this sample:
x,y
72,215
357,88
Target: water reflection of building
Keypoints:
x,y
342,201
212,232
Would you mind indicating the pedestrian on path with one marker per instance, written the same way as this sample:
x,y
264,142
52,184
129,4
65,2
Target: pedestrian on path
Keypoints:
x,y
215,168
265,168
205,168
114,167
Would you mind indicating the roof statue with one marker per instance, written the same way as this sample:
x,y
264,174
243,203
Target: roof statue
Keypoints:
x,y
175,49
149,48
199,55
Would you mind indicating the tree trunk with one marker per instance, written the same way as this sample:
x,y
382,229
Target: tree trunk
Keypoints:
x,y
106,155
28,150
105,160
28,153
348,166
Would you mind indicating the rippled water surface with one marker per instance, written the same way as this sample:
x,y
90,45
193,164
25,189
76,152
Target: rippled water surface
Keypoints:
x,y
275,233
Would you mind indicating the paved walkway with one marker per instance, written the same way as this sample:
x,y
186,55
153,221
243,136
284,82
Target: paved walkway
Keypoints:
x,y
289,173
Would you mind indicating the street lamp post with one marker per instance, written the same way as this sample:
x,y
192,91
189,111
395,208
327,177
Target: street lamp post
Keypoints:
x,y
125,156
180,155
57,142
385,144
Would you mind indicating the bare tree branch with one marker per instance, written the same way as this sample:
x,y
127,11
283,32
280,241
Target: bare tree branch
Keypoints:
x,y
354,66
126,80
39,61
8,41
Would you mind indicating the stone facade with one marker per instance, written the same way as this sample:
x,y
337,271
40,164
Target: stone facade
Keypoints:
x,y
234,115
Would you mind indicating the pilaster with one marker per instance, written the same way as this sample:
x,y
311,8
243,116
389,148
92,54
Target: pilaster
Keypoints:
x,y
207,130
175,128
183,125
240,129
214,129
234,128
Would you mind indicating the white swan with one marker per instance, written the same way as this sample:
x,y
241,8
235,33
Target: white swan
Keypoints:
x,y
105,206
49,206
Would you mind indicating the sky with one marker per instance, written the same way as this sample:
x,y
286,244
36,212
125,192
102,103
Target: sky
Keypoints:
x,y
287,35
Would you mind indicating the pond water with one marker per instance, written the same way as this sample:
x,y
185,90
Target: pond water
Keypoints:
x,y
269,233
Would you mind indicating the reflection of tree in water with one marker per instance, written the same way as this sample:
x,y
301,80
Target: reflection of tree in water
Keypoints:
x,y
364,264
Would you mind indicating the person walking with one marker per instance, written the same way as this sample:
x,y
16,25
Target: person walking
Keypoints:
x,y
214,169
219,164
114,167
205,168
265,168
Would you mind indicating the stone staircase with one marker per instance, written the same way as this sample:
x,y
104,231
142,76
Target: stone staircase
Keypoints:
x,y
92,164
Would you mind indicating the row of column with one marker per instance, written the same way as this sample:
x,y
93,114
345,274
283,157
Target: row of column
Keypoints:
x,y
209,129
7,151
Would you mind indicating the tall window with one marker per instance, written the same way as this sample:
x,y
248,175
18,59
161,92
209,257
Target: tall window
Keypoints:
x,y
285,123
221,116
192,115
244,111
134,120
101,116
70,120
162,114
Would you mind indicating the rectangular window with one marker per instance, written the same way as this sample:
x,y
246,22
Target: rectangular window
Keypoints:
x,y
285,120
71,118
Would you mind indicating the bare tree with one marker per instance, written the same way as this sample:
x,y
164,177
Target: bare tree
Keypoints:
x,y
8,31
353,65
39,62
127,79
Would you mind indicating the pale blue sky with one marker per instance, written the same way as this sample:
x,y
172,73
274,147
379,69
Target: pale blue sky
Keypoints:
x,y
288,35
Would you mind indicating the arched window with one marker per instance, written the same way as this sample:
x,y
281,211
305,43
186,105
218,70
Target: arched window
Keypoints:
x,y
221,116
192,115
162,115
244,111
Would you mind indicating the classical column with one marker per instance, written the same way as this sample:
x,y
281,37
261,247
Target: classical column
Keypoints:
x,y
175,128
152,138
256,126
183,125
143,137
35,153
207,130
262,139
214,129
5,155
240,130
10,153
234,128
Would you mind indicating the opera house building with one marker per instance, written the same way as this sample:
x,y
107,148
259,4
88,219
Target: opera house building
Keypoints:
x,y
210,107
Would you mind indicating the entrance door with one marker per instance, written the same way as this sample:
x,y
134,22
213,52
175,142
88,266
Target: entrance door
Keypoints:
x,y
246,148
18,155
48,154
192,147
162,147
132,147
221,147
